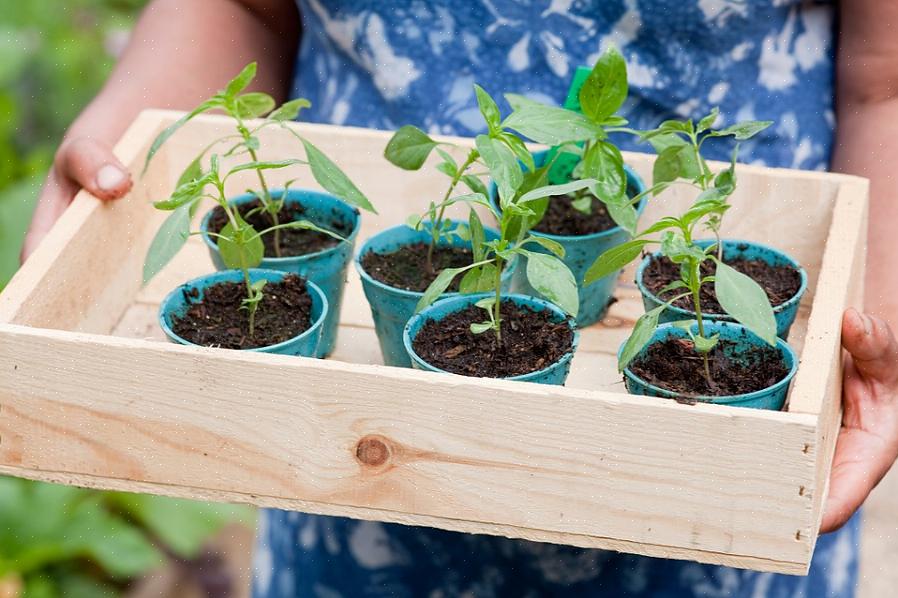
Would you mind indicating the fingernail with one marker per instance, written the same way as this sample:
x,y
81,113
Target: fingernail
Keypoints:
x,y
110,177
868,324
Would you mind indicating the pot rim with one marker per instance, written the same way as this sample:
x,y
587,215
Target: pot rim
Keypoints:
x,y
467,299
283,261
781,345
726,317
224,275
509,268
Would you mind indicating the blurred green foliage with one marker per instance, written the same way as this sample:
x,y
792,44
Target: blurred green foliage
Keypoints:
x,y
54,56
58,540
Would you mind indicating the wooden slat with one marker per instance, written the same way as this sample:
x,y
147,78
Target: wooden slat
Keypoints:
x,y
692,481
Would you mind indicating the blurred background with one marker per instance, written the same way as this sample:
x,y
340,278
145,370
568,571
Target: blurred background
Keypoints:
x,y
57,541
60,541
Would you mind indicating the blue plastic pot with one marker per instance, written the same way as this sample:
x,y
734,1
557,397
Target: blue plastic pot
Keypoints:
x,y
553,374
580,253
784,313
772,397
327,268
305,344
392,308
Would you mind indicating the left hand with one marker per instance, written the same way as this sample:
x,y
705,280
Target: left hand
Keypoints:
x,y
867,445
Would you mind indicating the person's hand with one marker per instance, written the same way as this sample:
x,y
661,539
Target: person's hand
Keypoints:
x,y
81,162
867,445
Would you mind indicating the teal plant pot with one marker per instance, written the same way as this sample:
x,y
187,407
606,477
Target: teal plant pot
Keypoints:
x,y
579,254
327,268
305,344
553,374
784,313
392,308
772,397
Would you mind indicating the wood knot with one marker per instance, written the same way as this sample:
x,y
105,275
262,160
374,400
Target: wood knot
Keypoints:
x,y
372,451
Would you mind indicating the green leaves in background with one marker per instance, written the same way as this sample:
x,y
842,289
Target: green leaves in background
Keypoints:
x,y
604,91
333,179
553,280
409,147
745,300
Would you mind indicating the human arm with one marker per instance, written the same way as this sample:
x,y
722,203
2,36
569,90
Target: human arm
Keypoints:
x,y
179,54
867,145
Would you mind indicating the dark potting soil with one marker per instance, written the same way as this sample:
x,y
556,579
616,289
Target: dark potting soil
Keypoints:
x,y
218,320
294,242
563,219
674,365
779,282
531,341
406,268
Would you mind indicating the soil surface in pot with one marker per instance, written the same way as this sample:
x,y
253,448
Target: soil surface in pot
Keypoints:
x,y
531,341
563,219
779,282
294,242
219,321
674,365
406,268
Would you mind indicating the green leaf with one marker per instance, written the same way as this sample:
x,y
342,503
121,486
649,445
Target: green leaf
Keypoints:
x,y
689,166
614,259
550,245
409,147
642,333
240,249
481,327
169,240
583,204
478,236
549,124
668,165
743,130
488,109
708,121
624,214
290,110
704,345
184,193
475,184
605,90
745,300
241,81
438,287
171,129
504,167
451,164
550,190
553,279
253,104
413,221
334,180
263,165
517,147
479,280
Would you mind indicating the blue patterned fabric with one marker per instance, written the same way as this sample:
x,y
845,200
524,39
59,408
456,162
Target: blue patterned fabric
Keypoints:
x,y
382,64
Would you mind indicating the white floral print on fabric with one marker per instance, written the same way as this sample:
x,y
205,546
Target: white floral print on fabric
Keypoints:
x,y
381,64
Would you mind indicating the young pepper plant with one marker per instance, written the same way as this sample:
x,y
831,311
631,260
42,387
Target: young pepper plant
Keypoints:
x,y
679,144
410,147
584,135
240,245
242,107
503,154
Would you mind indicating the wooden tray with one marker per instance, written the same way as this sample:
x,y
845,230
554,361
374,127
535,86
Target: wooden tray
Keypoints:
x,y
91,394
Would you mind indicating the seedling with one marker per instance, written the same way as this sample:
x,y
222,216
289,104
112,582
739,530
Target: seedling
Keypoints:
x,y
581,139
503,153
679,144
410,147
240,244
242,107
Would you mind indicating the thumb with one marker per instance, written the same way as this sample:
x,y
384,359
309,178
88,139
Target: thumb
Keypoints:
x,y
91,165
872,346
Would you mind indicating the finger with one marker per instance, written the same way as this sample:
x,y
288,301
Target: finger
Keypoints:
x,y
92,165
55,196
860,463
872,346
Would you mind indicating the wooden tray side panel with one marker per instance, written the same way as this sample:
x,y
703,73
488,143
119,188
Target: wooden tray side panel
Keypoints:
x,y
87,270
430,446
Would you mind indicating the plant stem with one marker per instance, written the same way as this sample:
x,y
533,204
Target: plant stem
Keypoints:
x,y
696,292
266,194
498,304
435,225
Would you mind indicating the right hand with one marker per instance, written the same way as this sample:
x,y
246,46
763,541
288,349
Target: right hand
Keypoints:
x,y
80,163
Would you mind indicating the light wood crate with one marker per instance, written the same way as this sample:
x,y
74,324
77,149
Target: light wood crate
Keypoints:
x,y
92,395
